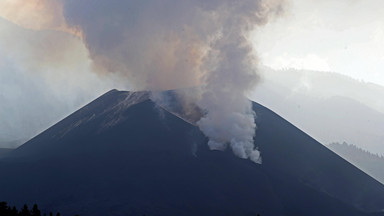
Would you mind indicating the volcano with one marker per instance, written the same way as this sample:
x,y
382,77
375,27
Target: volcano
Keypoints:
x,y
124,154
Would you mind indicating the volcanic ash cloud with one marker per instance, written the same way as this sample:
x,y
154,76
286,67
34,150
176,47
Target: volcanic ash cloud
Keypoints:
x,y
168,44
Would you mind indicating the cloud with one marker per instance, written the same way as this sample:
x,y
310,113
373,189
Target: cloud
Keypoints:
x,y
160,45
35,14
44,76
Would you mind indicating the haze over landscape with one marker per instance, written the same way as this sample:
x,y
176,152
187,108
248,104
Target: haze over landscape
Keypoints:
x,y
53,82
202,85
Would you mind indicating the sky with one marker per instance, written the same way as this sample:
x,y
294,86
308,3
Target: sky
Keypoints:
x,y
46,71
44,76
343,36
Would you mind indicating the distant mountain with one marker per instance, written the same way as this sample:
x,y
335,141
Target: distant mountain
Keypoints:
x,y
11,144
372,164
313,83
328,106
123,154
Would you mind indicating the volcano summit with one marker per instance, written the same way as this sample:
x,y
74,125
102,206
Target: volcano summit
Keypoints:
x,y
124,154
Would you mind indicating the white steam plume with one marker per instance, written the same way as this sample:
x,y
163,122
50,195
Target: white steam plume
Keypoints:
x,y
230,118
167,44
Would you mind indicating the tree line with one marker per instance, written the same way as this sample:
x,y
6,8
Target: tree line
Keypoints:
x,y
7,210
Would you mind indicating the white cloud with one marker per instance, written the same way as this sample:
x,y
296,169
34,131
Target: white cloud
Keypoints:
x,y
339,36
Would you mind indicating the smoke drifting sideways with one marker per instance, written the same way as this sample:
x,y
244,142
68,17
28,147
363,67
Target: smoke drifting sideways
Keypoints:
x,y
171,44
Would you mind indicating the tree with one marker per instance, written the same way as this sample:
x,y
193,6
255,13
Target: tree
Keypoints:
x,y
14,211
3,208
35,211
6,210
25,211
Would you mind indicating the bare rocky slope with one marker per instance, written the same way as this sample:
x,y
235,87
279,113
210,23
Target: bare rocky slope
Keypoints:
x,y
123,154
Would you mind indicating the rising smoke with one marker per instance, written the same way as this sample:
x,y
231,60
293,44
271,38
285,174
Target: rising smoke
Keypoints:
x,y
230,118
168,44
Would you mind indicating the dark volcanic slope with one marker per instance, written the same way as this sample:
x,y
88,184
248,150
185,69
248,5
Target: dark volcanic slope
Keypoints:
x,y
4,151
124,155
372,164
288,152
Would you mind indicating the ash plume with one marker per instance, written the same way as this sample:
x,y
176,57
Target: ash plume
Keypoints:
x,y
170,44
230,118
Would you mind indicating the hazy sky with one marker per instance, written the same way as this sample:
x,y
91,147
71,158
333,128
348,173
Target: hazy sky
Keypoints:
x,y
44,76
45,72
343,36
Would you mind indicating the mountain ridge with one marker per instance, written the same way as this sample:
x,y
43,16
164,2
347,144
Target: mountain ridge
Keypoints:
x,y
372,164
150,161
